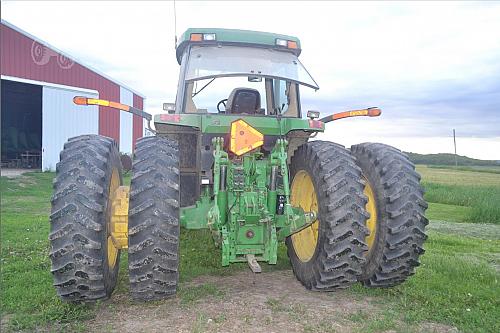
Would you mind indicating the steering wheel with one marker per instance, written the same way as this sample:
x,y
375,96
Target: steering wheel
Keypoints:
x,y
222,102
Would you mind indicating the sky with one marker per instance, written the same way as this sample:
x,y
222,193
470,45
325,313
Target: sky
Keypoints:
x,y
430,66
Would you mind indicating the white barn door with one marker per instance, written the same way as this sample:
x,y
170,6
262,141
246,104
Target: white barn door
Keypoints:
x,y
62,119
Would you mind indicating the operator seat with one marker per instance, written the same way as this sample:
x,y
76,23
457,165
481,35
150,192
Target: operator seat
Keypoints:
x,y
243,100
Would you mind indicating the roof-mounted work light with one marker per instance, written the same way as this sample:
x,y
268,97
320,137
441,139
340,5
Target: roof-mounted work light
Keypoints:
x,y
286,43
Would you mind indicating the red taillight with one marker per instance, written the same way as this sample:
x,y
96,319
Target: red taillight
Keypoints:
x,y
175,118
315,124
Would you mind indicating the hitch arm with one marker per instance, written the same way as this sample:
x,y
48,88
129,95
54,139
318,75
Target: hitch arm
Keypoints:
x,y
370,112
299,220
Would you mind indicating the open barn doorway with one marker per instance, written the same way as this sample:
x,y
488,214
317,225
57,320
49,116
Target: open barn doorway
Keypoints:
x,y
21,125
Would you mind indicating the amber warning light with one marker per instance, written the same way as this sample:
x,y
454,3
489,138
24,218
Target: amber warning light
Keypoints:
x,y
244,138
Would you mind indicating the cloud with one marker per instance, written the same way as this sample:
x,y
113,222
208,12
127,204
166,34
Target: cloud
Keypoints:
x,y
431,67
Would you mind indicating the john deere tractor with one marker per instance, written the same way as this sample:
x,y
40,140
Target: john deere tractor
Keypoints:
x,y
234,155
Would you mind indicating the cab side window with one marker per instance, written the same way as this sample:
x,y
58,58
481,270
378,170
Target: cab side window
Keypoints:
x,y
280,99
285,98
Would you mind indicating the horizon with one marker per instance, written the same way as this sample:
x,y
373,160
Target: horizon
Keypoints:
x,y
452,154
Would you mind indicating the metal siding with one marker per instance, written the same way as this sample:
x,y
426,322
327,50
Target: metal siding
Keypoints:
x,y
138,123
126,120
109,119
61,120
17,60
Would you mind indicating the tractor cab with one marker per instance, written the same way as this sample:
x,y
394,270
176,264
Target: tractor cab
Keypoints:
x,y
240,72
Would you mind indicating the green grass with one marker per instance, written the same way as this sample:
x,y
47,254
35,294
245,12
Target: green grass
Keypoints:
x,y
457,284
487,169
458,271
478,194
449,176
477,230
27,292
483,202
444,212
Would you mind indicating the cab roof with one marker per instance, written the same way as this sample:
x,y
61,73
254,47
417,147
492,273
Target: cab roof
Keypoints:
x,y
236,37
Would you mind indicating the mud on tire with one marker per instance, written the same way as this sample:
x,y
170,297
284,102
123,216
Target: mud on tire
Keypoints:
x,y
339,254
400,208
79,216
153,252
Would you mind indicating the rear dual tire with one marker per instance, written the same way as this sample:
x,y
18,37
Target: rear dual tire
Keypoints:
x,y
84,263
370,216
397,207
329,254
154,228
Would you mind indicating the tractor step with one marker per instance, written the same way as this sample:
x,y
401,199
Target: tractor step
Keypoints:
x,y
252,262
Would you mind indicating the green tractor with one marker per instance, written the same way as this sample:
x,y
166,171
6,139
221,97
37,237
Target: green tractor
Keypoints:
x,y
233,155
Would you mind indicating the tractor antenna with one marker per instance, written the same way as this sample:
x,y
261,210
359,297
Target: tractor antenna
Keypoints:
x,y
175,26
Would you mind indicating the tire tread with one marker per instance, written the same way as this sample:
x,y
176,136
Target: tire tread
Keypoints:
x,y
403,207
339,190
77,220
154,220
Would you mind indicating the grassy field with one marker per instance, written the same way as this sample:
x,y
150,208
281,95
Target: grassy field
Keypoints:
x,y
486,169
457,284
464,195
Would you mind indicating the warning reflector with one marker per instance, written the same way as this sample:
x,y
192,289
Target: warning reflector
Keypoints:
x,y
244,137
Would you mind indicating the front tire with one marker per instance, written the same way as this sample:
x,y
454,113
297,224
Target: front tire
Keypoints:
x,y
329,254
84,262
397,207
154,228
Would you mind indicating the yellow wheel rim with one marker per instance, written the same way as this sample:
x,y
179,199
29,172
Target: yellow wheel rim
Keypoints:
x,y
112,253
303,195
112,250
371,207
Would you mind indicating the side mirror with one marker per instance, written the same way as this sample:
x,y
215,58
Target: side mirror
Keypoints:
x,y
169,107
312,114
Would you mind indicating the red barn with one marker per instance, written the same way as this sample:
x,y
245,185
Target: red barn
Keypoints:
x,y
38,83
